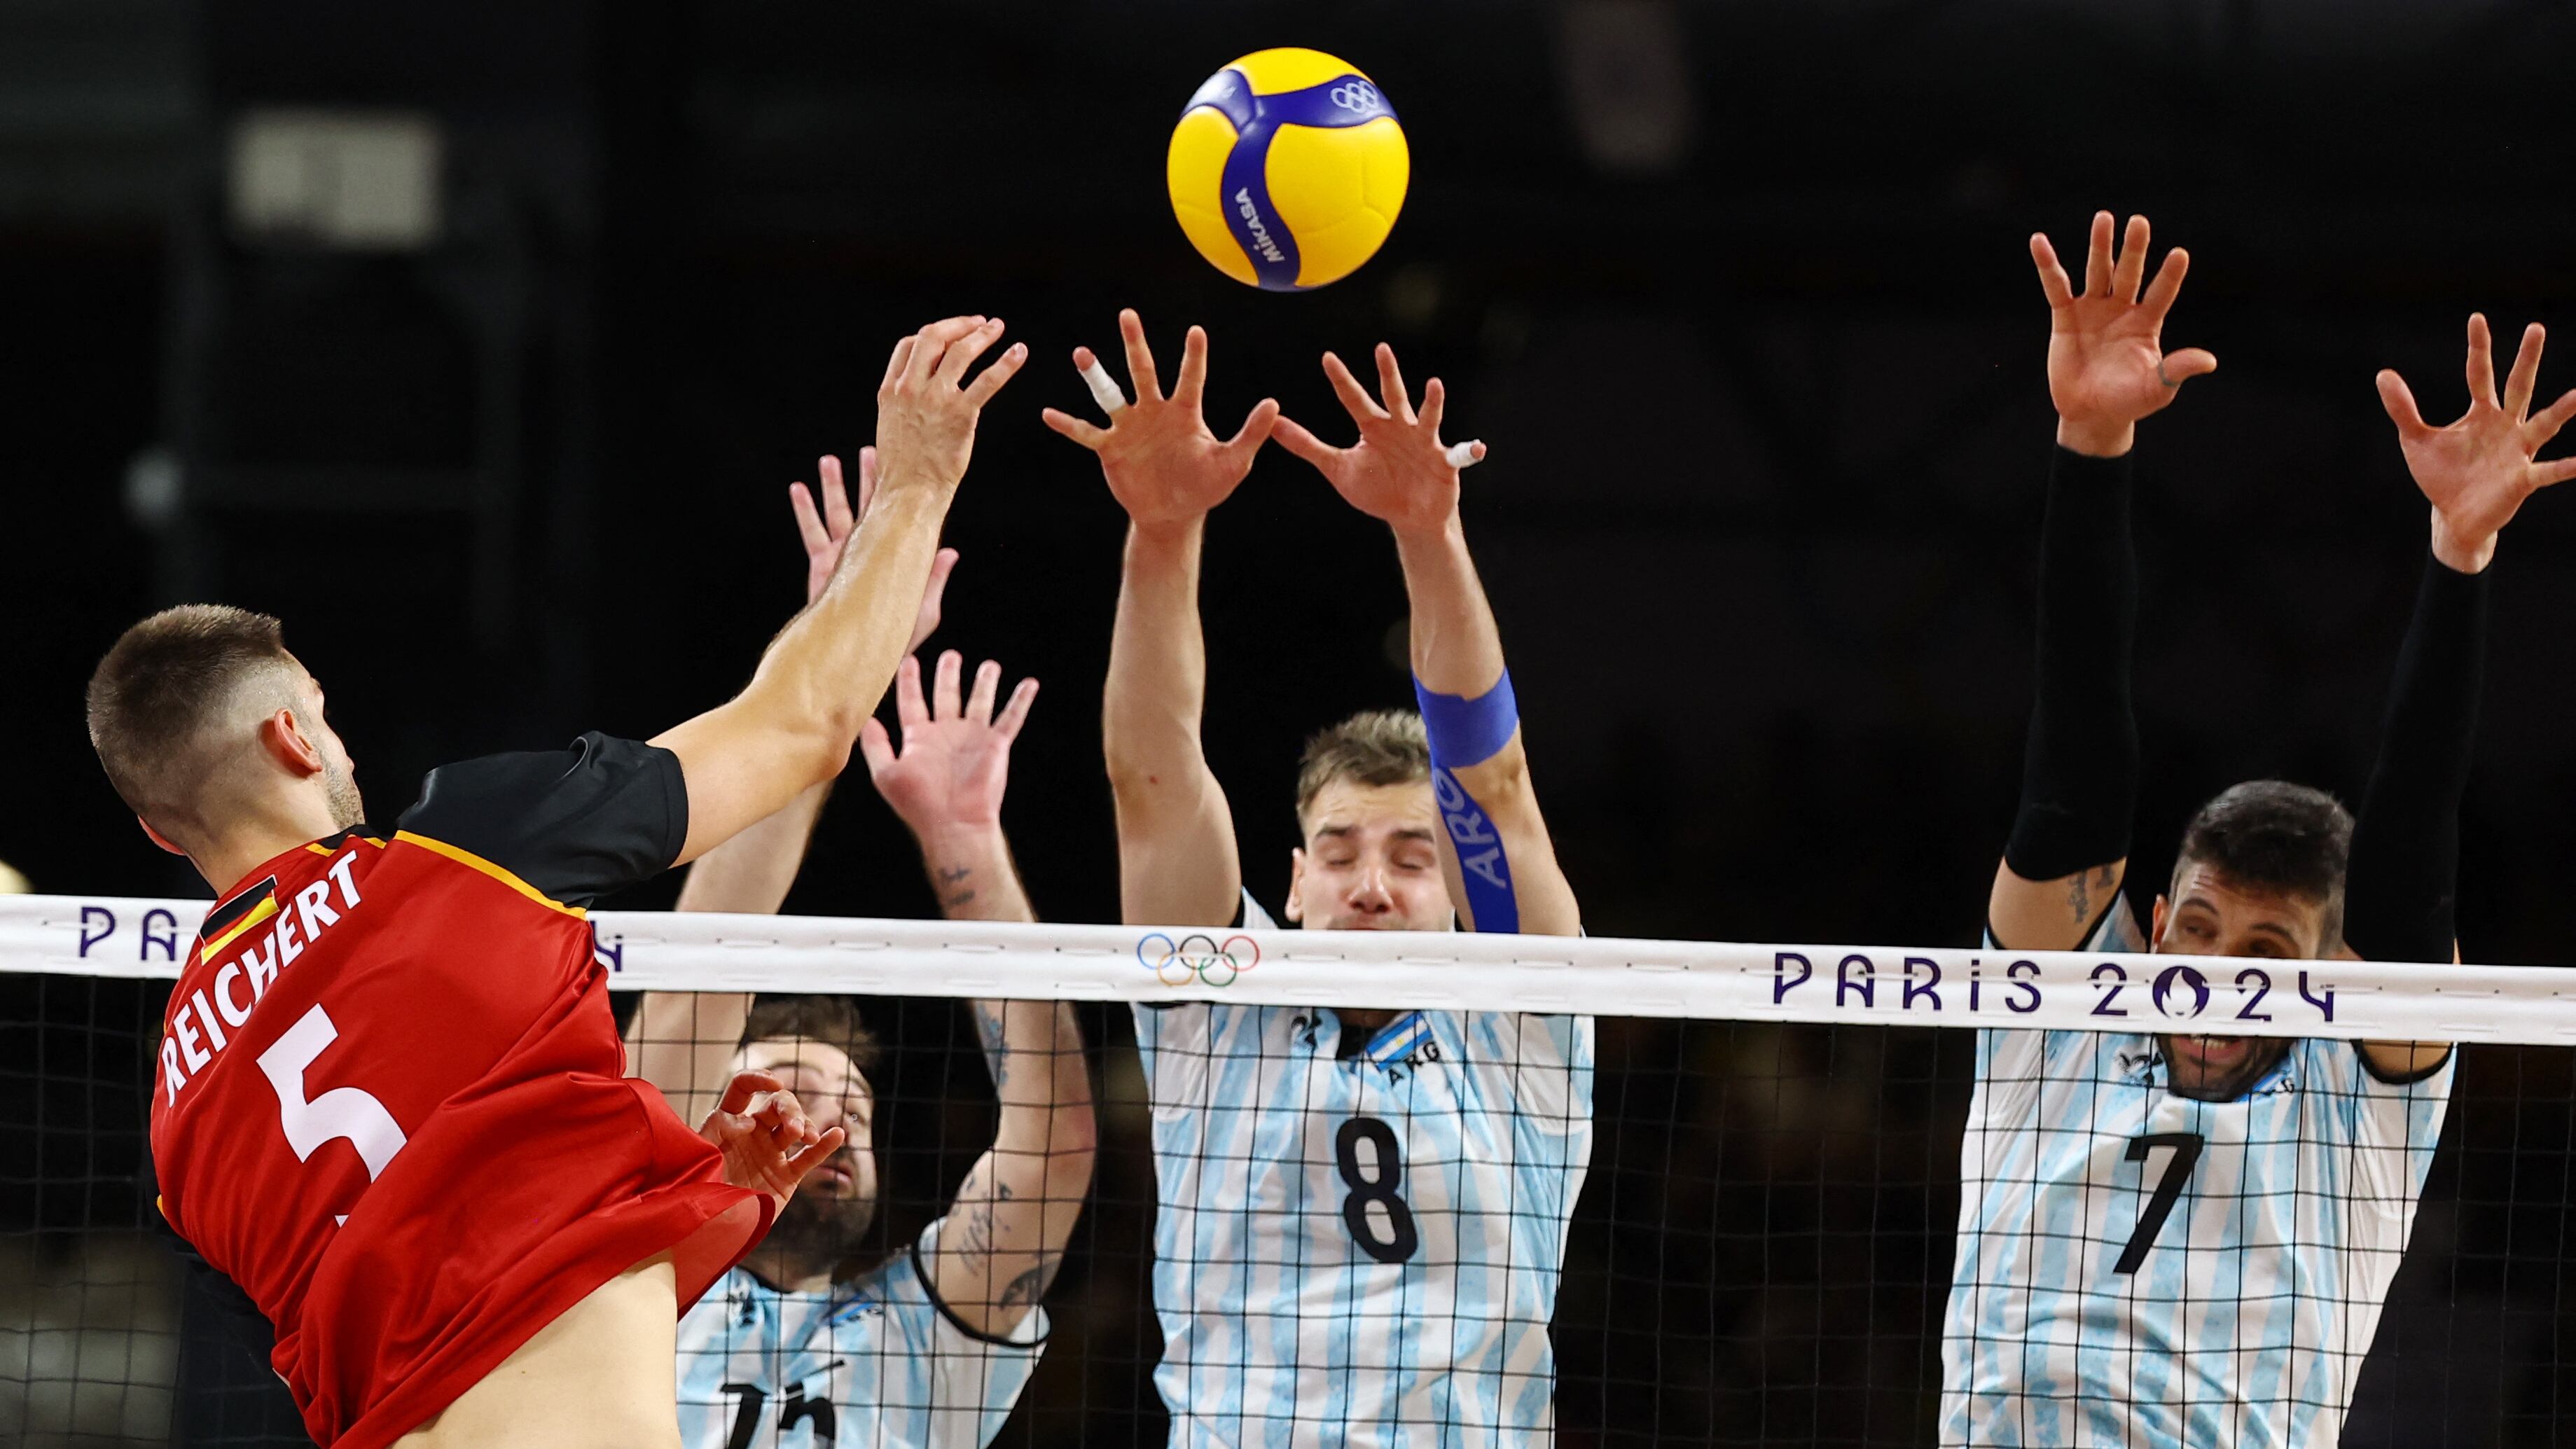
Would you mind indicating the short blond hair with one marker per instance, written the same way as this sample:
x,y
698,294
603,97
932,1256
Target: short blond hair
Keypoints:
x,y
1373,747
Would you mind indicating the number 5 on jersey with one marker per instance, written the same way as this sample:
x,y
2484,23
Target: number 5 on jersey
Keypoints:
x,y
341,1112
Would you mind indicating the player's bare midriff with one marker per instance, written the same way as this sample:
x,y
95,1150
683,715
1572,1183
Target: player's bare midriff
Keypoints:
x,y
598,1377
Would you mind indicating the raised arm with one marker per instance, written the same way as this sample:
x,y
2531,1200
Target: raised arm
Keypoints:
x,y
1006,1231
2107,368
1501,867
794,724
682,1041
1177,858
2403,883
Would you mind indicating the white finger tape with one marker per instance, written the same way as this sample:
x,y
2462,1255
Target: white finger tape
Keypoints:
x,y
1463,455
1104,388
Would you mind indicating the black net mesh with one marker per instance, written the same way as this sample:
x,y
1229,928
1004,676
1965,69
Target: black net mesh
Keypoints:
x,y
1762,1252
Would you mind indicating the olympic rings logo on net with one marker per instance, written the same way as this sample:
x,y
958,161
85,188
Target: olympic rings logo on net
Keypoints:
x,y
1175,963
1355,96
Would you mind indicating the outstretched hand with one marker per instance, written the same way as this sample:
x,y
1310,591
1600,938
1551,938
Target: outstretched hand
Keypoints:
x,y
2107,366
768,1142
1398,472
926,407
2477,471
955,759
1163,464
828,530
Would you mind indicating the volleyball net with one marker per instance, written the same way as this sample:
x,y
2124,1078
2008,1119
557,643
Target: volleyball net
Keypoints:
x,y
1327,1188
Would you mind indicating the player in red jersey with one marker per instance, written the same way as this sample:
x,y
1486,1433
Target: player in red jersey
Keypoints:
x,y
390,1102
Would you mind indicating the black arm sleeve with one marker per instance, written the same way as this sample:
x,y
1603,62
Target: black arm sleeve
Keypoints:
x,y
576,823
2404,880
2079,781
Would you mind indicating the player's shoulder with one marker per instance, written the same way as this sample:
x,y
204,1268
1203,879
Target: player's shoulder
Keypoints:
x,y
2115,930
1207,956
899,1276
1216,956
2118,930
2014,1063
2336,1064
576,823
1251,916
475,797
904,1286
1517,1039
860,1309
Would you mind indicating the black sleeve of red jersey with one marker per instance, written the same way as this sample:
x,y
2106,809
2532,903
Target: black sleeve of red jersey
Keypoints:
x,y
576,823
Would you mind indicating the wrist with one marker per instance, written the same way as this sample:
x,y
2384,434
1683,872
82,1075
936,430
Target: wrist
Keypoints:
x,y
1447,531
960,845
921,498
1163,535
901,478
2096,438
2459,553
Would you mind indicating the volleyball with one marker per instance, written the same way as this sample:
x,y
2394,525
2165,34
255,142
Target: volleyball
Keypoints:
x,y
1287,169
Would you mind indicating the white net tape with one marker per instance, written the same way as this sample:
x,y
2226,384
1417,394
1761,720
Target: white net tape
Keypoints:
x,y
1606,976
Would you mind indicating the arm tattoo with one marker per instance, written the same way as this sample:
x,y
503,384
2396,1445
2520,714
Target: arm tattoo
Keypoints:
x,y
949,882
997,1046
975,1238
2082,888
1032,1285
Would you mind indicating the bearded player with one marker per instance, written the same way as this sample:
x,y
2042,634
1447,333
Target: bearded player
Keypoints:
x,y
424,1165
1363,1212
2186,1239
802,1345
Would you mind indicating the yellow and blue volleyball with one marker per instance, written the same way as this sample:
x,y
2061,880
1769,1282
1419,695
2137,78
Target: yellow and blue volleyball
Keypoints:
x,y
1287,169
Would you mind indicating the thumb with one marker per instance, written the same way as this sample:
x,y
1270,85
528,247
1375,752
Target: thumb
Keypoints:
x,y
814,1152
925,621
1257,429
1075,428
876,746
2399,399
2191,362
1293,436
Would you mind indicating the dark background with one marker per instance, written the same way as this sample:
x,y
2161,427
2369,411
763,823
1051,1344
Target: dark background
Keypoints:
x,y
1768,419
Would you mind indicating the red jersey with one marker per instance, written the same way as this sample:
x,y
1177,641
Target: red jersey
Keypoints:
x,y
390,1102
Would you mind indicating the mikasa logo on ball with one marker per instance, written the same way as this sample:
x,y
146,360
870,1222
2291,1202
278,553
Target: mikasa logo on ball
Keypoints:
x,y
1252,218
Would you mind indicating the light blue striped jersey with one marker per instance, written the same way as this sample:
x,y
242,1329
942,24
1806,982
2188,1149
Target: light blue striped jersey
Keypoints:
x,y
2258,1238
876,1361
1363,1250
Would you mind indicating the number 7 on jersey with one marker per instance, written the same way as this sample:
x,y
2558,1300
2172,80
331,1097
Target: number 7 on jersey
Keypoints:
x,y
2186,1152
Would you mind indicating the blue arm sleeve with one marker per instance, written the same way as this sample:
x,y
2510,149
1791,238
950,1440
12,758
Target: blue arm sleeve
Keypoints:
x,y
1466,732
